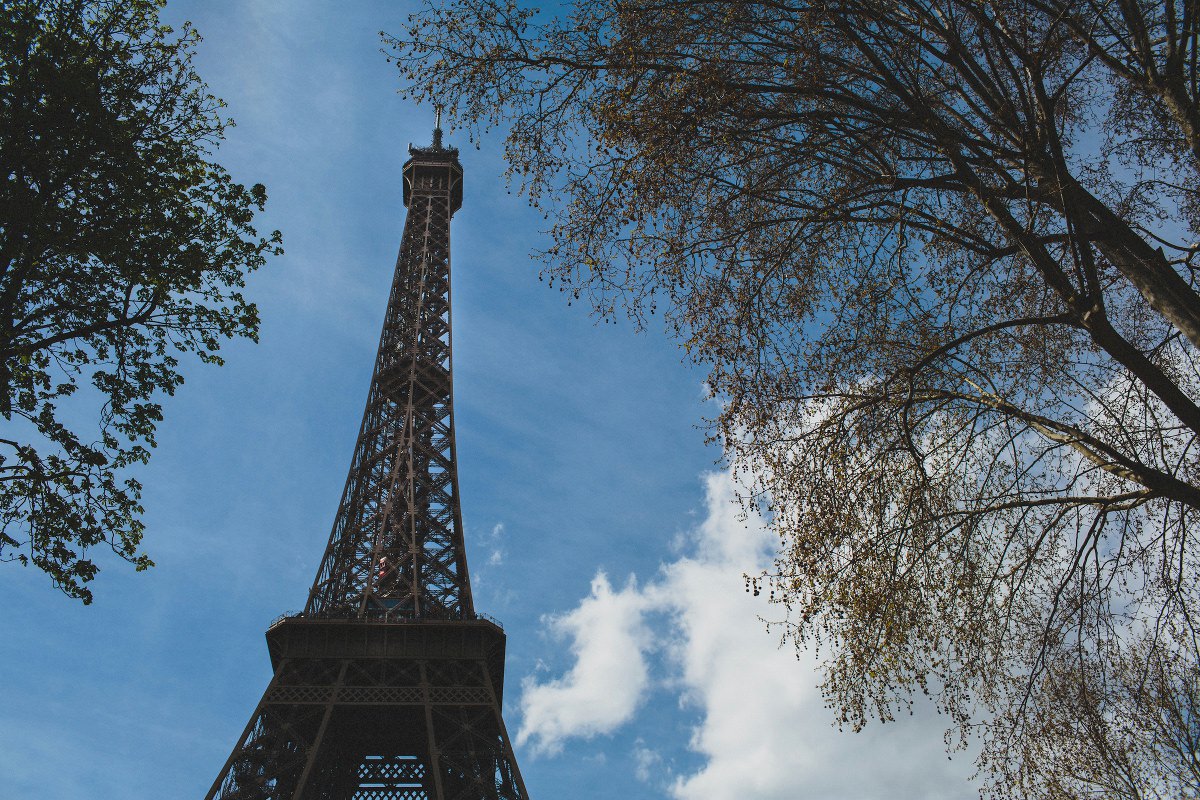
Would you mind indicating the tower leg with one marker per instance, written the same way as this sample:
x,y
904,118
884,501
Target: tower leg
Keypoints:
x,y
375,729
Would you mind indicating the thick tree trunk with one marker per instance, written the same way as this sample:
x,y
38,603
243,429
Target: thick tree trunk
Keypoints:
x,y
1145,267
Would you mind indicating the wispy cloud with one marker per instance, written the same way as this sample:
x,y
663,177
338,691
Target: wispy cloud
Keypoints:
x,y
647,762
497,552
763,728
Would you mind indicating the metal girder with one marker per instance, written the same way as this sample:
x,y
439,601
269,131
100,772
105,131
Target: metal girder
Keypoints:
x,y
388,686
356,728
396,551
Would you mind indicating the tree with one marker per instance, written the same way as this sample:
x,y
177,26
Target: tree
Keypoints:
x,y
939,257
123,246
1121,722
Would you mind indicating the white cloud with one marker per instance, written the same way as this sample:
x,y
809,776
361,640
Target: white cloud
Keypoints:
x,y
763,730
497,556
647,762
602,690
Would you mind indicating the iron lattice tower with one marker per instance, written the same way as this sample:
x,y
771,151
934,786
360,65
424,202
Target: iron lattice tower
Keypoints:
x,y
389,685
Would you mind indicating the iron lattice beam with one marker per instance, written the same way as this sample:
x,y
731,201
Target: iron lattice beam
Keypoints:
x,y
388,686
396,551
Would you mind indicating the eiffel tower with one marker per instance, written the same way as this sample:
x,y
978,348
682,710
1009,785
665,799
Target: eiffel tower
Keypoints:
x,y
389,684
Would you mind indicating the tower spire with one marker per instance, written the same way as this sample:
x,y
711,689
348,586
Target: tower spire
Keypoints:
x,y
389,685
437,126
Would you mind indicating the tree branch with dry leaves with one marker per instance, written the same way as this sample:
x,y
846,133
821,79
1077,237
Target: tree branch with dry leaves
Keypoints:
x,y
936,256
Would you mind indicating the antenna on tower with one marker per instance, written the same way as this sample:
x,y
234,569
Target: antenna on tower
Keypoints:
x,y
437,126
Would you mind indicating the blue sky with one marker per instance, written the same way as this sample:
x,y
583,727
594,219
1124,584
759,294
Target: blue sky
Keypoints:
x,y
600,528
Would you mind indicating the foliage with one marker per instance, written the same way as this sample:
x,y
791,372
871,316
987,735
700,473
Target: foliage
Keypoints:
x,y
122,247
1121,722
939,257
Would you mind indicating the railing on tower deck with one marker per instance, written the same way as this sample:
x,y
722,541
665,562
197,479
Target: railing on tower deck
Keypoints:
x,y
352,615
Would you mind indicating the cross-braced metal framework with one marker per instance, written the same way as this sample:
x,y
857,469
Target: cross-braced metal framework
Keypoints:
x,y
397,547
388,685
